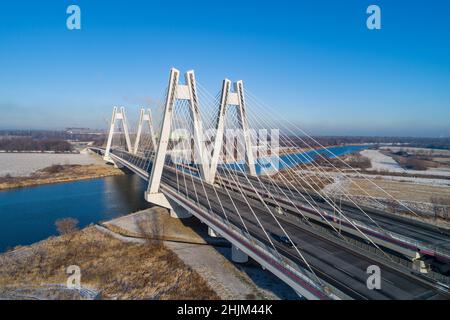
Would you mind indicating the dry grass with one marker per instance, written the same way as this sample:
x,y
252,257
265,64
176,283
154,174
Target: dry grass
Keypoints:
x,y
308,181
429,203
353,160
59,173
398,189
442,160
117,269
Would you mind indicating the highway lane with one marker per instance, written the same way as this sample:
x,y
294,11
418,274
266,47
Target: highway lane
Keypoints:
x,y
344,269
426,234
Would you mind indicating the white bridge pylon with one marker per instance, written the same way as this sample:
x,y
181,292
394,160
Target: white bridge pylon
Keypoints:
x,y
229,99
177,91
117,116
145,116
232,95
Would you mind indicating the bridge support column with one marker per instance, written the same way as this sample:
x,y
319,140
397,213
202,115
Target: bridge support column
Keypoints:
x,y
177,211
159,199
180,213
420,263
237,255
212,233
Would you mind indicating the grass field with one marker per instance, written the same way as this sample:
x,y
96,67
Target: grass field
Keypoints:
x,y
116,269
400,190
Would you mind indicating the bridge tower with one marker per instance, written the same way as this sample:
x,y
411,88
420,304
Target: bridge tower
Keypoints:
x,y
177,91
118,115
229,99
145,116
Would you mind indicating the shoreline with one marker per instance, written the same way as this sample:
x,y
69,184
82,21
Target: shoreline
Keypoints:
x,y
39,152
177,260
69,173
107,267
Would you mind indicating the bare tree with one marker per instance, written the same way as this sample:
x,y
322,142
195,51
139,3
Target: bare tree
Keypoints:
x,y
66,225
441,207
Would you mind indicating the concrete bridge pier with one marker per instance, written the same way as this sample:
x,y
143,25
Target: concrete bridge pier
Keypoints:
x,y
159,199
117,166
237,255
177,211
108,160
212,233
421,263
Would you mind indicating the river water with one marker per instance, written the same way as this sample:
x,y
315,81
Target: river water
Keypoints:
x,y
28,214
270,164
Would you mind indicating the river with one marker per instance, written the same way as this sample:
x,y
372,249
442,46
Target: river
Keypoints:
x,y
269,164
28,214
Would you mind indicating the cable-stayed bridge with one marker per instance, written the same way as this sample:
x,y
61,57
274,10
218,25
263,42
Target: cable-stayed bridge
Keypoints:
x,y
217,157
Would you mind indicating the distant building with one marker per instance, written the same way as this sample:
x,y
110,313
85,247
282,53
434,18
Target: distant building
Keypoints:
x,y
82,131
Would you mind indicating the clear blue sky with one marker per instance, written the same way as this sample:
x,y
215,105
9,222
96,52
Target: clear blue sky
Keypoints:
x,y
314,60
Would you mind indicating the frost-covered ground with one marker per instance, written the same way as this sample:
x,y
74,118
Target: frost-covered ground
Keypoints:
x,y
381,162
23,164
417,150
339,178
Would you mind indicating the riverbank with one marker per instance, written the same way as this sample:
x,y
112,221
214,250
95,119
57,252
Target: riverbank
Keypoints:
x,y
24,164
110,268
210,256
144,255
58,174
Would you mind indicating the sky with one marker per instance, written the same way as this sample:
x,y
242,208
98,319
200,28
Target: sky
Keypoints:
x,y
315,62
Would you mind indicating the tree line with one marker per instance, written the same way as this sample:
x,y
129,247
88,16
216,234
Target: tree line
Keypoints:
x,y
21,144
431,143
